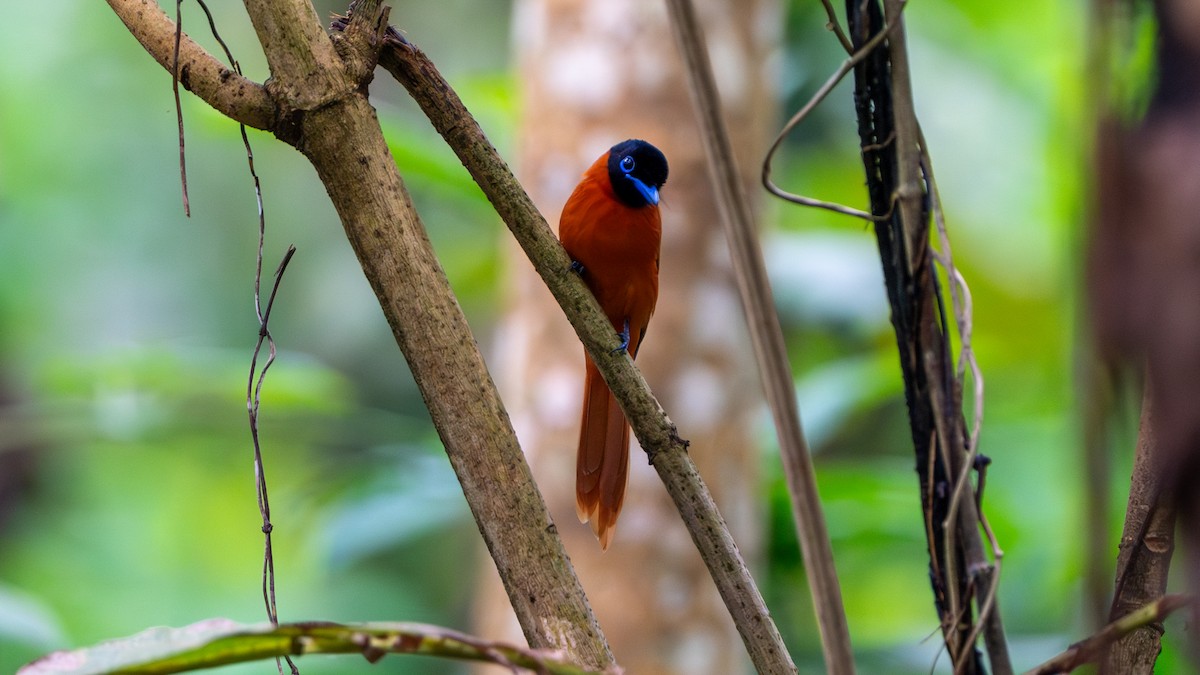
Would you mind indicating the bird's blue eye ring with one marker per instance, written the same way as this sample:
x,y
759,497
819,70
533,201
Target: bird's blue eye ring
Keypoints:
x,y
627,164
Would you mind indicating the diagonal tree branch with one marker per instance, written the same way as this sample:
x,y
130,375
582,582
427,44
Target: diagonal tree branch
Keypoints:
x,y
320,92
230,94
1092,649
766,334
655,431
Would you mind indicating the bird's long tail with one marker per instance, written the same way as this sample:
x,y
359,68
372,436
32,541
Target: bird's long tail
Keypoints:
x,y
602,464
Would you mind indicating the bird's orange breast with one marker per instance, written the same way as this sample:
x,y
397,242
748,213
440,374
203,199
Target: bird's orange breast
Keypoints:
x,y
617,245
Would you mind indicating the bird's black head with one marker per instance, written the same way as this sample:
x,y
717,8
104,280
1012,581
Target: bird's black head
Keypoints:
x,y
637,170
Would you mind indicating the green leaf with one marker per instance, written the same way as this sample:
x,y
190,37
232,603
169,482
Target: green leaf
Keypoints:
x,y
219,642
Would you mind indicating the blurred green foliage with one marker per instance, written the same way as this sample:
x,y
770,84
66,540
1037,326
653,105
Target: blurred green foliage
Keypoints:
x,y
126,332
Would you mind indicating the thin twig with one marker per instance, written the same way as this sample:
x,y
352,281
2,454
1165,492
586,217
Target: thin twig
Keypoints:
x,y
233,95
900,181
833,80
1091,649
931,456
766,336
269,597
187,209
836,27
253,399
212,27
960,295
956,584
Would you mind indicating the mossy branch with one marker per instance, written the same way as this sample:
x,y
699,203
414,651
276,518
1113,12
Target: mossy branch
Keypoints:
x,y
219,642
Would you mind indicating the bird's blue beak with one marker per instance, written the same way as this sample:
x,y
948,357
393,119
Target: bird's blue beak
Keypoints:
x,y
649,192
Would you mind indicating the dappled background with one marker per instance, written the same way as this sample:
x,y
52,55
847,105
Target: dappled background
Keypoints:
x,y
126,489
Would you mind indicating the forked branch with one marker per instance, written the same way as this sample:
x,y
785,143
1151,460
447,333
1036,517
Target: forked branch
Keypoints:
x,y
230,94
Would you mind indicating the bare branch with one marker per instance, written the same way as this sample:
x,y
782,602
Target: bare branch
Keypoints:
x,y
655,431
766,335
187,208
306,70
342,139
836,27
325,114
1090,650
232,95
1146,548
900,184
854,59
945,400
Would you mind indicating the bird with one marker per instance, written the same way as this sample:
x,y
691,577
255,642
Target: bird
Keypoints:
x,y
611,229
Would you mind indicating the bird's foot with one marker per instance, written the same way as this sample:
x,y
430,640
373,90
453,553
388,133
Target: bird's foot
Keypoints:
x,y
624,335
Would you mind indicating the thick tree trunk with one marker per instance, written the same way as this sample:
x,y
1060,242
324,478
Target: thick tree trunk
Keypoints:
x,y
596,72
316,101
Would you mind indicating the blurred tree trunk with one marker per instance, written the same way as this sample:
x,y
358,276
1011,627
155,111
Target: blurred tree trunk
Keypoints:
x,y
1143,278
595,72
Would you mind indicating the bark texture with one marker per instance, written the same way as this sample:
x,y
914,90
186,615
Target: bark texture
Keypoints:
x,y
901,189
1147,543
227,92
318,104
